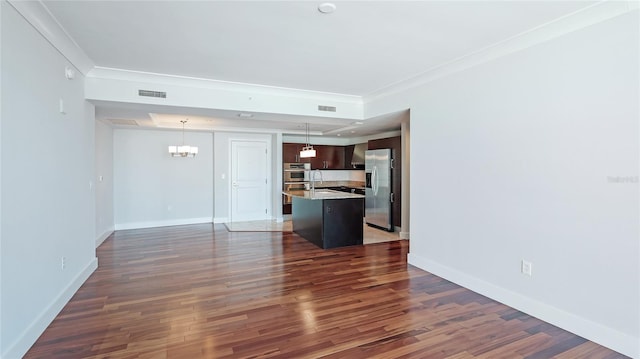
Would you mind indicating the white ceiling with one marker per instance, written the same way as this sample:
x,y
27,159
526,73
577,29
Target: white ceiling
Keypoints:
x,y
361,48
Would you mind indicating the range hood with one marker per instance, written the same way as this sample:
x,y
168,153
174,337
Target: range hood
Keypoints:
x,y
357,161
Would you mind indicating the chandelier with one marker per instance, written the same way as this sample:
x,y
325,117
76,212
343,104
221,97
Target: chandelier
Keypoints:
x,y
184,150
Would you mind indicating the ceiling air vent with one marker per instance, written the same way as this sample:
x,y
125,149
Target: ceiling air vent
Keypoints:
x,y
149,93
327,108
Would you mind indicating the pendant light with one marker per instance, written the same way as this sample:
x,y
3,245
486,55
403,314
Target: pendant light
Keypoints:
x,y
307,151
184,150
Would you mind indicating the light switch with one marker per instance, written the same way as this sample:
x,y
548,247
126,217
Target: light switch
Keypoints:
x,y
62,107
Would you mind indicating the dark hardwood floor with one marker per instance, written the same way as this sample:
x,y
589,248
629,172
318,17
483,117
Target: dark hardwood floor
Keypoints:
x,y
199,291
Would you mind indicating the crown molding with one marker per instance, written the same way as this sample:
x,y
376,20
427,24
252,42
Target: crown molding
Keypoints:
x,y
582,18
37,14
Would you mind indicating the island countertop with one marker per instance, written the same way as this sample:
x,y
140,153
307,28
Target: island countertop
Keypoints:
x,y
322,194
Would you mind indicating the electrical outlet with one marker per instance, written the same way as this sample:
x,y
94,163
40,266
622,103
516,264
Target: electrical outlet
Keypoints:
x,y
63,261
526,267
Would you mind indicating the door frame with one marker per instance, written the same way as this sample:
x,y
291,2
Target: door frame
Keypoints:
x,y
268,185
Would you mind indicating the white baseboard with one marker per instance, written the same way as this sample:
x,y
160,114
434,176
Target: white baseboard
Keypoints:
x,y
595,332
165,223
226,220
104,236
42,321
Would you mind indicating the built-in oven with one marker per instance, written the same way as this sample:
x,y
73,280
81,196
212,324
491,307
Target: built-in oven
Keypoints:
x,y
296,178
296,172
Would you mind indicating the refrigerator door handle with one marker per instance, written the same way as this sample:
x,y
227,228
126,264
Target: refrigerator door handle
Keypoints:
x,y
373,180
375,183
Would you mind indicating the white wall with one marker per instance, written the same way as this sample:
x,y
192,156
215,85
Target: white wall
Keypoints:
x,y
151,188
46,187
2,6
104,181
524,151
518,158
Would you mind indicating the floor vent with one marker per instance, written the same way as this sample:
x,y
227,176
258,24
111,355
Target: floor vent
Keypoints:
x,y
149,93
327,108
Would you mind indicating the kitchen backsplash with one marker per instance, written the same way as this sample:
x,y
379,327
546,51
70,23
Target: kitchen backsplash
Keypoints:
x,y
347,175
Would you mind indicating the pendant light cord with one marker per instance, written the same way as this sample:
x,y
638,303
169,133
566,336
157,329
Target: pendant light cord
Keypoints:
x,y
183,122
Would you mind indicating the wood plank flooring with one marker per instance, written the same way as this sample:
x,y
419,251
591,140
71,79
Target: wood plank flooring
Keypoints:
x,y
200,291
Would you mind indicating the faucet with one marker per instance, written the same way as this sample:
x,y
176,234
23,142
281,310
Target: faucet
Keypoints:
x,y
313,179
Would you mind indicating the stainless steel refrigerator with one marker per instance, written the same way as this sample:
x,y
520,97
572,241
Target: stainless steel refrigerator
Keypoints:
x,y
378,196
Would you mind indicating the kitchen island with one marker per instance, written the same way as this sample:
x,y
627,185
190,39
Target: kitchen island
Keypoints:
x,y
327,218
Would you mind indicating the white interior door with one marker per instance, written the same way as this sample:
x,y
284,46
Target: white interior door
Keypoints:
x,y
250,196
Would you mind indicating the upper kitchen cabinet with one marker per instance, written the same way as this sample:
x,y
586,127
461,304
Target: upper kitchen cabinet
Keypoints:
x,y
328,157
291,152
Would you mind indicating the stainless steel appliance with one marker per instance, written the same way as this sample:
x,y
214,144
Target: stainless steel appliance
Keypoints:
x,y
378,196
296,176
296,172
357,160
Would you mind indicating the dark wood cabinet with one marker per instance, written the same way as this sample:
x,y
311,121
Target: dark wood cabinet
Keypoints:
x,y
395,144
318,160
335,158
327,157
329,223
291,152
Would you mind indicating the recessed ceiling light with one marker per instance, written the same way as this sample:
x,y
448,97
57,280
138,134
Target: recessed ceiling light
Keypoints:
x,y
338,135
327,7
357,123
245,115
353,131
